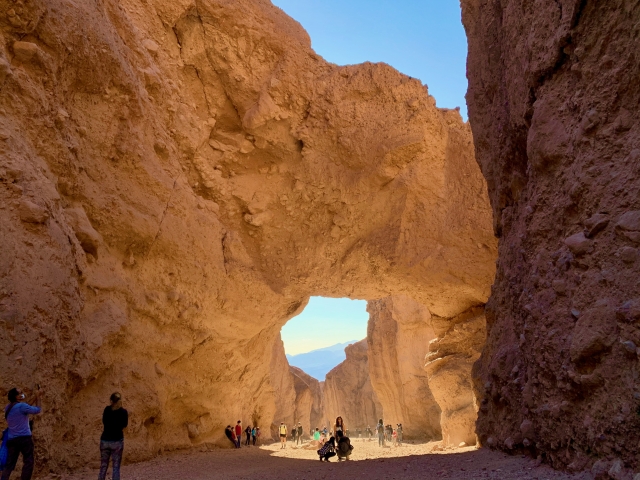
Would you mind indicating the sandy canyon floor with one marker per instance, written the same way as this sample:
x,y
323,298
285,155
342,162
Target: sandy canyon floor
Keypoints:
x,y
369,461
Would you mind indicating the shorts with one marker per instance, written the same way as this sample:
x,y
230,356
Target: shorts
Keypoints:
x,y
283,435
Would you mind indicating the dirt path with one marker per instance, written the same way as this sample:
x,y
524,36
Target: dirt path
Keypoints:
x,y
369,462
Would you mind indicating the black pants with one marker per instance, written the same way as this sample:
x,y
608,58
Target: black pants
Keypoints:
x,y
248,442
254,440
15,447
328,455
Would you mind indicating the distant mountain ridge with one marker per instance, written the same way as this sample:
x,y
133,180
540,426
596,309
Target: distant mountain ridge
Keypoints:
x,y
318,363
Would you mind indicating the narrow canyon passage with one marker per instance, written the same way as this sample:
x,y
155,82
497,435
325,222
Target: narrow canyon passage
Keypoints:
x,y
177,179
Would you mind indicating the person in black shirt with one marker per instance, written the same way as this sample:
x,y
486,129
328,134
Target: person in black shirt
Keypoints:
x,y
247,432
115,419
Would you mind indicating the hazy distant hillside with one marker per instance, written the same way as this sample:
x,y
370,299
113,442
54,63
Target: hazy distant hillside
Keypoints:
x,y
318,363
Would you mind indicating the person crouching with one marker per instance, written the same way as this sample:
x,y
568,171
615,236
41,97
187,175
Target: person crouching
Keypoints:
x,y
327,450
344,446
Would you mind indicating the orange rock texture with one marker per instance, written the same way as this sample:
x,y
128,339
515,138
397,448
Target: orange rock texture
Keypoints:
x,y
176,179
348,392
420,368
553,102
309,403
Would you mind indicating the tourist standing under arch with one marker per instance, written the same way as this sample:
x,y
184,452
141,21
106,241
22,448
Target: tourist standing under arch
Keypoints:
x,y
114,419
380,430
283,435
339,427
19,440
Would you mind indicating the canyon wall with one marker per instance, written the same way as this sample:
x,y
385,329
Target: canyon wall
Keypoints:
x,y
398,335
553,101
284,389
176,179
309,404
348,391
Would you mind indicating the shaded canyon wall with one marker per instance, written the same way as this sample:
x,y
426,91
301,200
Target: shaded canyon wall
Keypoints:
x,y
553,101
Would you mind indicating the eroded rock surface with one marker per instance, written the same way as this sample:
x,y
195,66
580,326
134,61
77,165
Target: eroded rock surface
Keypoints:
x,y
553,96
309,404
348,391
398,335
177,178
448,365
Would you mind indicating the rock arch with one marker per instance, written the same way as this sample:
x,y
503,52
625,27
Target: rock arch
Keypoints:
x,y
178,178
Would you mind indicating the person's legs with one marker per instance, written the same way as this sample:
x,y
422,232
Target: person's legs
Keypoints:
x,y
116,458
26,447
329,455
13,452
254,440
105,455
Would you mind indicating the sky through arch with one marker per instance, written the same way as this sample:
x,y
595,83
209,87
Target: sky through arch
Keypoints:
x,y
325,322
421,38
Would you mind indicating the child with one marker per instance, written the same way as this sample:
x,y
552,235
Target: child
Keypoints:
x,y
394,436
327,450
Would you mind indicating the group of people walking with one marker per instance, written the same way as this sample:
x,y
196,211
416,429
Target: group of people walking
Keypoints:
x,y
17,439
386,433
251,433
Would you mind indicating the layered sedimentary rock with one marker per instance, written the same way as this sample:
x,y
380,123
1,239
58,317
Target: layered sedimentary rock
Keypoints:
x,y
398,337
553,102
309,402
348,391
448,365
176,179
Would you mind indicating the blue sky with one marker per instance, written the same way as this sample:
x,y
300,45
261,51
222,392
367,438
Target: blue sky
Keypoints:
x,y
325,322
421,38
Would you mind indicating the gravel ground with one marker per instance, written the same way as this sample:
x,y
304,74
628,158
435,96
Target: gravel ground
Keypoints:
x,y
369,461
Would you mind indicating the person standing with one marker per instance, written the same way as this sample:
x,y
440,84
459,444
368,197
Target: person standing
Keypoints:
x,y
339,427
380,431
254,433
247,432
238,433
19,440
283,435
399,434
294,433
114,419
299,437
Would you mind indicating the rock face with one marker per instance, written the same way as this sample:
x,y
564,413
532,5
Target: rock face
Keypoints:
x,y
448,365
309,401
284,391
553,95
348,391
398,335
177,178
